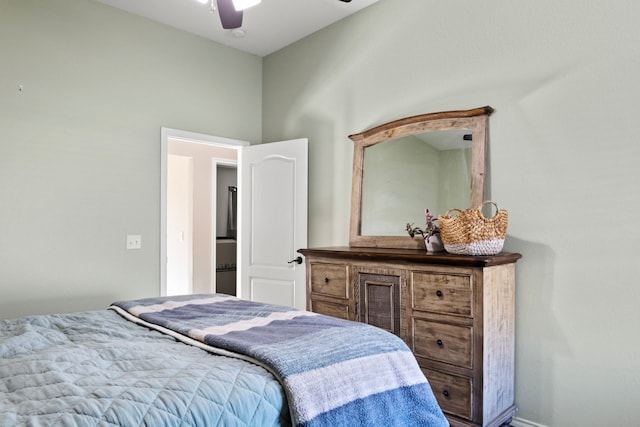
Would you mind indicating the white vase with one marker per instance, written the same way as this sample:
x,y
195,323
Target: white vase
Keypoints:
x,y
434,244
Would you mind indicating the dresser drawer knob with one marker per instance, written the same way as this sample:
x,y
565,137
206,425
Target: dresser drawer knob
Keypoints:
x,y
440,343
439,293
326,280
446,393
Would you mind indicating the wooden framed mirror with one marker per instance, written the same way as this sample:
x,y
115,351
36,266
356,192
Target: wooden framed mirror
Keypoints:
x,y
431,161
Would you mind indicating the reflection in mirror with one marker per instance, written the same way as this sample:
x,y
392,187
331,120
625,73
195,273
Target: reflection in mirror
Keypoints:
x,y
403,176
434,161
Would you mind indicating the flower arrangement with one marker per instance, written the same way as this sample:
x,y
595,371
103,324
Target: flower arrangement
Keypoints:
x,y
430,229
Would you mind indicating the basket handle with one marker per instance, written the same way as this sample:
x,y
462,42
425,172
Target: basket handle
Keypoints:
x,y
486,202
446,215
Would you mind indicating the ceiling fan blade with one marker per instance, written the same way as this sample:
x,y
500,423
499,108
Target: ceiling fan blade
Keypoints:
x,y
229,17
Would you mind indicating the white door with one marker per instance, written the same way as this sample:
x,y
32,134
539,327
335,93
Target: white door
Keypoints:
x,y
272,224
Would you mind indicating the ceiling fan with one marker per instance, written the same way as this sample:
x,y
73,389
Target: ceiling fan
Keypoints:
x,y
231,11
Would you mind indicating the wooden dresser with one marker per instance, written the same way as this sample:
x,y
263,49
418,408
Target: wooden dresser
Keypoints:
x,y
455,312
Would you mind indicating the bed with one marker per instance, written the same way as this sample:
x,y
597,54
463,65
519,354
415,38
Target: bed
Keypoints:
x,y
207,360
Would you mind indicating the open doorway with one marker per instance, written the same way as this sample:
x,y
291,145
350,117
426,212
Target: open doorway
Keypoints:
x,y
189,244
271,215
226,229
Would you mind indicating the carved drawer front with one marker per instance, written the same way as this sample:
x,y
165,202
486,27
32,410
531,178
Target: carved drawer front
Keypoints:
x,y
330,279
442,293
380,301
452,392
442,342
330,309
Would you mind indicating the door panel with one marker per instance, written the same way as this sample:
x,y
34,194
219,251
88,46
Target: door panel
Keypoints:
x,y
272,291
272,201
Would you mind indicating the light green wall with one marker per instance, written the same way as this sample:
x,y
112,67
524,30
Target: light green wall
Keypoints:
x,y
564,154
80,156
80,144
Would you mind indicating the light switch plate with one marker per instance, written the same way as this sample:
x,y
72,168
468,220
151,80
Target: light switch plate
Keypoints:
x,y
134,241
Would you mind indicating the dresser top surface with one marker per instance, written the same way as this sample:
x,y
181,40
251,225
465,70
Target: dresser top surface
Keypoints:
x,y
416,256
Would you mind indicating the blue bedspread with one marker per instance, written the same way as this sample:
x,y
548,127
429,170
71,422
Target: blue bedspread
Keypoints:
x,y
335,372
99,369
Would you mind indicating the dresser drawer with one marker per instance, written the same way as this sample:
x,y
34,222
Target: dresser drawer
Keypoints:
x,y
442,293
330,279
443,342
334,309
452,392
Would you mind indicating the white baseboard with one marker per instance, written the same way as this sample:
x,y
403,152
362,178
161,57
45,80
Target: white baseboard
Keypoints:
x,y
520,422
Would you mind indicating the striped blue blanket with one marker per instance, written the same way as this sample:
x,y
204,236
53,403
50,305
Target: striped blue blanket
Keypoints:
x,y
335,372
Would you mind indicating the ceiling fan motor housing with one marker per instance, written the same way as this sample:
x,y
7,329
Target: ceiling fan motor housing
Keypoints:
x,y
229,17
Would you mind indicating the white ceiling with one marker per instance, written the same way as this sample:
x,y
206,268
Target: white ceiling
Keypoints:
x,y
268,27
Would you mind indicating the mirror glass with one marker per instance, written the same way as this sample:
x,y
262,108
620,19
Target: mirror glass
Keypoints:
x,y
403,176
432,161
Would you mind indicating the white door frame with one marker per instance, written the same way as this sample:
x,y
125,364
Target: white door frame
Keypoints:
x,y
193,137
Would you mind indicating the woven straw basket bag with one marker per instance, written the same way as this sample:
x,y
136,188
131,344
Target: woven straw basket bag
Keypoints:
x,y
471,233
